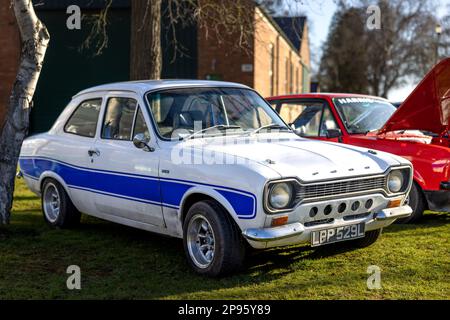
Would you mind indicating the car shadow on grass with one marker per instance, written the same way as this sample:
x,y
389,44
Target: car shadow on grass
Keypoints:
x,y
122,262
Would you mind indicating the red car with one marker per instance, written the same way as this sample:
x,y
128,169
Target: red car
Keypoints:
x,y
418,130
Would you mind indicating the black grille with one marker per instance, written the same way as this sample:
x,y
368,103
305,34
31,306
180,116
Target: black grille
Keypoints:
x,y
318,222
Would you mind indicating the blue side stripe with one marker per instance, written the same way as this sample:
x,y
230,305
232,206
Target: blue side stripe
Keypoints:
x,y
167,192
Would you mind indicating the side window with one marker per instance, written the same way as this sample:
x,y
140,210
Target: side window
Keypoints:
x,y
328,122
289,111
305,116
118,120
83,121
140,126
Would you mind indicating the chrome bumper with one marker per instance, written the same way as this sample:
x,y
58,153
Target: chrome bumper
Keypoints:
x,y
296,233
275,233
395,213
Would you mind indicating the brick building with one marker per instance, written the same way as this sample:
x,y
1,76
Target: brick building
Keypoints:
x,y
276,63
9,54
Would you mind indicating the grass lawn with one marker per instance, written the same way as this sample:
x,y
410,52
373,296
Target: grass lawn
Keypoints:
x,y
119,262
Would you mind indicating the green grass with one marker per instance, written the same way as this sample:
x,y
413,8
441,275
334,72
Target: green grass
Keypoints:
x,y
119,262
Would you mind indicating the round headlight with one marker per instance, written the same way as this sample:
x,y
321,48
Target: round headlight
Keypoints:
x,y
395,181
280,195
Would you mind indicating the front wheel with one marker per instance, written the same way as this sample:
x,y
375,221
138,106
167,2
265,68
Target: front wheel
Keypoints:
x,y
370,238
416,201
212,241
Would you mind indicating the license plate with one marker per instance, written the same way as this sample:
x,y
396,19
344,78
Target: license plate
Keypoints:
x,y
337,234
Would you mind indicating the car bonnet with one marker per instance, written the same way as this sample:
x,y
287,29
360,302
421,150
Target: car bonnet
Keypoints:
x,y
428,107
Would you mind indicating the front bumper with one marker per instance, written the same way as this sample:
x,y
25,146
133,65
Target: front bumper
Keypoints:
x,y
438,200
296,233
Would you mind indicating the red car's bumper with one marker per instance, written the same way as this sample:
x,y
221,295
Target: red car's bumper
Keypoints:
x,y
438,200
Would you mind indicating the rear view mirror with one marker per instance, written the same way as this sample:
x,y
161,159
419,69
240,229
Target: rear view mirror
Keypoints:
x,y
334,133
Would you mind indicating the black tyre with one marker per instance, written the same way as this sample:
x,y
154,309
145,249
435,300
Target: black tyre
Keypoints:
x,y
417,202
370,238
57,207
212,241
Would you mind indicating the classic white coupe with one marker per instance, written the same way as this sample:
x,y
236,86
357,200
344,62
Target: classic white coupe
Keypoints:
x,y
212,163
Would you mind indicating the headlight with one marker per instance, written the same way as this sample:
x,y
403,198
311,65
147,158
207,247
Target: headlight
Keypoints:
x,y
280,195
396,181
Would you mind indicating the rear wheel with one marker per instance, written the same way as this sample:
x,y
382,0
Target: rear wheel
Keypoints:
x,y
57,207
416,201
212,241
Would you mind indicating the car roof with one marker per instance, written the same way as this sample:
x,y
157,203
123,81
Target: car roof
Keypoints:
x,y
143,86
322,95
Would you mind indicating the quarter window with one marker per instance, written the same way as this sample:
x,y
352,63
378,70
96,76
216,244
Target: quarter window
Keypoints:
x,y
83,121
119,117
140,126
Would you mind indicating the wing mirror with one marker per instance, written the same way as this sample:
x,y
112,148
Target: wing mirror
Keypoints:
x,y
299,131
140,141
334,133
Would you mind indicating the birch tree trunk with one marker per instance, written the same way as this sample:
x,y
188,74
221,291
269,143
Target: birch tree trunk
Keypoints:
x,y
146,55
34,38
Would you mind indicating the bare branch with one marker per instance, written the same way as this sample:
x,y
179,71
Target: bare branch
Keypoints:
x,y
98,36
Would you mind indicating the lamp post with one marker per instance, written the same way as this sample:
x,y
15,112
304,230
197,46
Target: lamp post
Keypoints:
x,y
438,31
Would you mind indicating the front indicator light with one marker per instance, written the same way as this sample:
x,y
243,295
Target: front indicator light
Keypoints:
x,y
395,203
445,185
279,221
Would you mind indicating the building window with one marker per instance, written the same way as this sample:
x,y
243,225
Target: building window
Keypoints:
x,y
305,80
272,70
286,76
291,77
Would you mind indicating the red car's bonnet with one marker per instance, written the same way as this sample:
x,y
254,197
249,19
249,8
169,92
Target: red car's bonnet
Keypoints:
x,y
428,107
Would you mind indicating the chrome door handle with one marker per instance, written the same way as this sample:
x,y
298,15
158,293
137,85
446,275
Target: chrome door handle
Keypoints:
x,y
92,152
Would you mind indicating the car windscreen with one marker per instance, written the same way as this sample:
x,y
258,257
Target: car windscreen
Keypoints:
x,y
180,112
362,115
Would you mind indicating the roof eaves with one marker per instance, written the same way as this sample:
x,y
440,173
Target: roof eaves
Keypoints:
x,y
278,28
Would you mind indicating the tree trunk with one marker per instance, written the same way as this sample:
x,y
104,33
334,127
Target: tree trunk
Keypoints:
x,y
35,38
145,55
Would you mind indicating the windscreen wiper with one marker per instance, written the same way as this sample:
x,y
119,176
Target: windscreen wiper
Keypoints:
x,y
220,127
269,126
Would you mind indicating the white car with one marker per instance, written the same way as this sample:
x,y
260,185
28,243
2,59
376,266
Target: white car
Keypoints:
x,y
212,163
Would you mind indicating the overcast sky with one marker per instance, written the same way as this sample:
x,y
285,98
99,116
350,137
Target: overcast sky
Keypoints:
x,y
320,13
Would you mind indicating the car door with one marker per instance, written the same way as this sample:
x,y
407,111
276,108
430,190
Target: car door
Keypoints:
x,y
127,177
71,149
311,118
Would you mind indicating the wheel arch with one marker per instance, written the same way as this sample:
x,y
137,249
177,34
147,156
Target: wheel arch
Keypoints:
x,y
419,179
195,195
420,190
52,175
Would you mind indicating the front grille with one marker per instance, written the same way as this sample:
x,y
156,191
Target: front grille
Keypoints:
x,y
332,189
